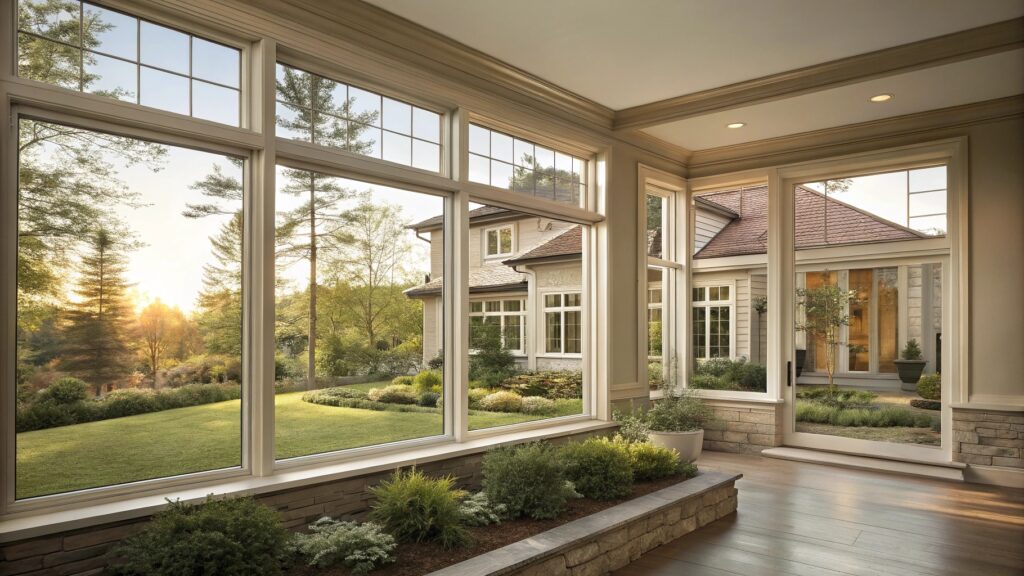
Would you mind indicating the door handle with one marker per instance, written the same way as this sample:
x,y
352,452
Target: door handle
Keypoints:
x,y
789,372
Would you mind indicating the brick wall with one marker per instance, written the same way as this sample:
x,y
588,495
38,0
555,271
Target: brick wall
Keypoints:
x,y
744,427
87,551
988,438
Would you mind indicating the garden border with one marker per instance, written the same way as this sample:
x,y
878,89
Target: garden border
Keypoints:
x,y
614,537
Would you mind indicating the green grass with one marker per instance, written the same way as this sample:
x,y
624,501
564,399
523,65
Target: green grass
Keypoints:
x,y
883,417
207,437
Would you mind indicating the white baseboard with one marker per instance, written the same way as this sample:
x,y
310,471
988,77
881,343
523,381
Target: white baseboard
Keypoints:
x,y
997,475
943,472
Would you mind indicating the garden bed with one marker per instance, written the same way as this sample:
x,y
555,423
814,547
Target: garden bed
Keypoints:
x,y
612,532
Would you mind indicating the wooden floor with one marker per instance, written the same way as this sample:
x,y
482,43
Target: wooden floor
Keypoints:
x,y
814,520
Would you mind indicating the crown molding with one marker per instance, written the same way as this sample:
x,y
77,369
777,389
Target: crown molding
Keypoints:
x,y
964,45
850,138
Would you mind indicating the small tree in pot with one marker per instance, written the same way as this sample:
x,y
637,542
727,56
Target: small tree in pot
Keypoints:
x,y
678,421
910,365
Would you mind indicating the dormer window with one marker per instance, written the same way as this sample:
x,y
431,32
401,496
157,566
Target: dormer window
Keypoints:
x,y
498,241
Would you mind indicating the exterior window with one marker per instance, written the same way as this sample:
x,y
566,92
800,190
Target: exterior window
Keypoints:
x,y
712,321
88,48
563,324
498,242
507,162
655,303
509,316
315,109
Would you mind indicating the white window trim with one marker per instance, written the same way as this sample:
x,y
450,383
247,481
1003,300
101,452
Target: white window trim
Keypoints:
x,y
730,303
512,228
501,315
542,348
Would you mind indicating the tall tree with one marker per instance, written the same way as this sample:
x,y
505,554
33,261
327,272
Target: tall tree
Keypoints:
x,y
220,301
97,334
158,325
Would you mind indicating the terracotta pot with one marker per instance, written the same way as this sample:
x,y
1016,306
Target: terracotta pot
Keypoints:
x,y
688,444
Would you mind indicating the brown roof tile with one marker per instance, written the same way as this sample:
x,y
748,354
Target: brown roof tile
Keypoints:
x,y
568,243
489,278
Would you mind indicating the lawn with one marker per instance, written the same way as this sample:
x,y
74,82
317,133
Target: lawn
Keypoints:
x,y
207,437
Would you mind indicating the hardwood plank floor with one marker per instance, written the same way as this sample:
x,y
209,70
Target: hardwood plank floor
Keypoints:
x,y
802,519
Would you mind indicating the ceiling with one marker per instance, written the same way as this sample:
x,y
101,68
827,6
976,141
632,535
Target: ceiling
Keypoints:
x,y
624,53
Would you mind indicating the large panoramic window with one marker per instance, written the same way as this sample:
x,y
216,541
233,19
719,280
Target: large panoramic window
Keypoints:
x,y
504,161
129,310
315,109
353,356
89,48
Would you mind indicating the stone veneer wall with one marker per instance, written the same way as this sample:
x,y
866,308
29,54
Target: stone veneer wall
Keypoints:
x,y
988,438
744,427
88,550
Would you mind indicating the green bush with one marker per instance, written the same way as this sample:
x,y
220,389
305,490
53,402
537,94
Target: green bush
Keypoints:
x,y
478,510
709,382
476,395
529,480
655,374
42,415
599,468
874,418
551,384
502,401
415,508
926,404
429,399
362,403
838,397
537,405
359,547
929,386
912,350
64,391
402,380
680,412
236,537
491,363
632,427
393,395
426,380
129,402
650,462
336,392
728,374
437,362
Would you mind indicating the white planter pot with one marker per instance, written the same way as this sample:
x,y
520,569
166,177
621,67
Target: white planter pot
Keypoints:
x,y
688,444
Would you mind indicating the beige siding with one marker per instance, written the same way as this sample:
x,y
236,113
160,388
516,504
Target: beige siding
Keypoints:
x,y
740,281
528,233
436,254
759,348
431,324
708,224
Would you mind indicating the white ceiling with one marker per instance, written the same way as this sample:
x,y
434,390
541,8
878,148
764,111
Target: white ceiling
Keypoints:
x,y
995,76
623,53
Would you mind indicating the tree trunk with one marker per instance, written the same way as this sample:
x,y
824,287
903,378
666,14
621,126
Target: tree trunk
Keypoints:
x,y
311,364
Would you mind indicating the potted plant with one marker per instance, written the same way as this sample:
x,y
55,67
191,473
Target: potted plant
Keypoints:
x,y
910,366
678,421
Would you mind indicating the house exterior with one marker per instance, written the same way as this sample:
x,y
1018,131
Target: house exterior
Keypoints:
x,y
525,276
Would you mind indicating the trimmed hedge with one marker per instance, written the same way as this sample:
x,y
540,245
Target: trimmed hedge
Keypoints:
x,y
929,386
342,397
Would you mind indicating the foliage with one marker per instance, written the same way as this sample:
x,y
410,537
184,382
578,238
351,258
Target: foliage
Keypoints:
x,y
536,405
429,399
529,480
476,395
359,547
236,537
205,369
491,362
599,468
929,386
926,404
688,470
437,362
552,384
426,380
402,381
824,309
838,398
342,397
650,462
709,382
912,350
477,510
875,418
220,301
63,391
728,374
334,392
394,395
632,427
502,401
164,332
655,374
416,508
679,412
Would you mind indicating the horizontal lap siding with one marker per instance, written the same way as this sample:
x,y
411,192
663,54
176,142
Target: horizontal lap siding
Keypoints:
x,y
707,226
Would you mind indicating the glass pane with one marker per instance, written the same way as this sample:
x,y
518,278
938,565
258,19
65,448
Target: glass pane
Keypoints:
x,y
367,141
492,242
397,116
164,48
111,32
579,171
513,305
216,63
364,106
523,181
930,225
501,174
553,332
501,147
164,91
572,299
713,294
552,300
493,306
215,103
927,203
544,159
523,153
133,304
479,169
573,333
723,292
655,225
330,130
293,87
426,156
506,240
110,77
397,148
859,329
56,20
479,140
512,333
385,320
887,289
426,125
698,294
49,62
293,122
928,179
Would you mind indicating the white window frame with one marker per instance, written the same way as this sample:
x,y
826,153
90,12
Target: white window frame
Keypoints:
x,y
501,315
660,307
707,304
560,310
485,233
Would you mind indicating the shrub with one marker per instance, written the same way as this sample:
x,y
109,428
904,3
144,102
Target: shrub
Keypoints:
x,y
42,415
680,412
929,386
402,381
529,480
362,403
551,384
393,395
632,427
655,374
727,374
838,397
491,363
477,510
359,547
476,395
599,468
688,470
709,382
926,404
502,401
64,391
714,367
875,418
234,537
912,350
429,399
537,405
415,508
337,392
426,380
128,402
650,462
437,362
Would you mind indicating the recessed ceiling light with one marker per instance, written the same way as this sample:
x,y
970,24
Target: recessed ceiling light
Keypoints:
x,y
881,98
736,125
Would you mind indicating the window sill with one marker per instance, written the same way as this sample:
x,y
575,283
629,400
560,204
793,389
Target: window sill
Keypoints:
x,y
34,524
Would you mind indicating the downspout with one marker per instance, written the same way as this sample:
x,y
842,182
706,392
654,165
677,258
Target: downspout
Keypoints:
x,y
533,321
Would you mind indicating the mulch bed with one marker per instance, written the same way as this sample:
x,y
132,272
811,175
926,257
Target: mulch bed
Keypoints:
x,y
416,559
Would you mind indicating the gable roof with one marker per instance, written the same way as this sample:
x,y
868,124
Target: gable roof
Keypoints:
x,y
489,278
566,244
816,216
476,214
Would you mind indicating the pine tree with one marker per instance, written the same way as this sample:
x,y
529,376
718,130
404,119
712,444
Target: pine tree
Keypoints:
x,y
220,301
96,338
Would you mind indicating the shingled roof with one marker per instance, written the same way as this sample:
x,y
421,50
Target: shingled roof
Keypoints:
x,y
748,234
568,243
483,212
489,278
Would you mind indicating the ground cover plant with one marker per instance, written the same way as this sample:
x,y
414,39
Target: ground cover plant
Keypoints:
x,y
359,547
